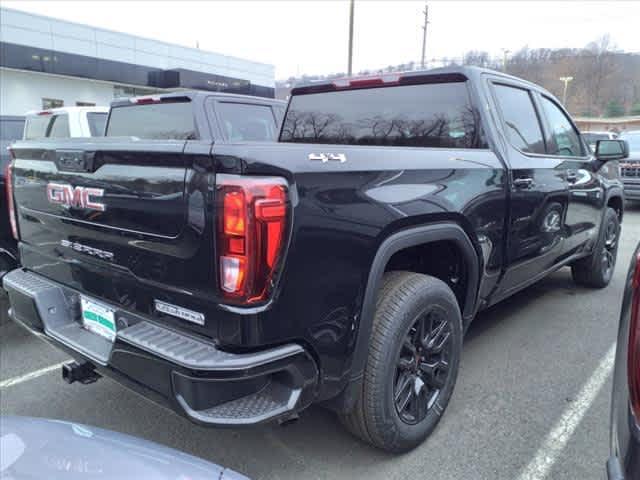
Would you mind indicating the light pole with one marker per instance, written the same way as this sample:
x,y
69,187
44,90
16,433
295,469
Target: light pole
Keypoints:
x,y
566,81
505,52
424,35
350,64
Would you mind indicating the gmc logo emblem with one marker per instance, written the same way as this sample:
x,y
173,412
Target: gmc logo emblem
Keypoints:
x,y
77,197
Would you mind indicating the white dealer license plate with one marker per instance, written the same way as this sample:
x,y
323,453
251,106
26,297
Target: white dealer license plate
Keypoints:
x,y
98,319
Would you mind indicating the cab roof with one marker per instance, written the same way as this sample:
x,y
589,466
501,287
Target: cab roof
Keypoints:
x,y
436,75
192,96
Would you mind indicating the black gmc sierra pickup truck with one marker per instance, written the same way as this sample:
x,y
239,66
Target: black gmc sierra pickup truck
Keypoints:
x,y
240,282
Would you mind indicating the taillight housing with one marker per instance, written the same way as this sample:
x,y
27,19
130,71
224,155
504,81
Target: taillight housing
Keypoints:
x,y
633,350
253,218
8,182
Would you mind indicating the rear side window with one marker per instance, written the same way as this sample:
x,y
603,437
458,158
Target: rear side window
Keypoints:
x,y
37,126
430,115
566,140
520,119
59,127
243,122
97,122
158,121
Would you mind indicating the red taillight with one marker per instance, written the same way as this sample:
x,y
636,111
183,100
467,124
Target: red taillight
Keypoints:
x,y
253,215
8,182
633,359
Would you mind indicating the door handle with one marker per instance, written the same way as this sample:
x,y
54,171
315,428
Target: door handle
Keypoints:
x,y
523,182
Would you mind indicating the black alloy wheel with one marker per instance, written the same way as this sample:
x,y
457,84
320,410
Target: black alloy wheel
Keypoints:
x,y
412,362
610,247
597,269
422,367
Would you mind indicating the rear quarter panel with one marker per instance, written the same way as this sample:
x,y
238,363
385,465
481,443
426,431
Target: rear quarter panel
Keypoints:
x,y
342,212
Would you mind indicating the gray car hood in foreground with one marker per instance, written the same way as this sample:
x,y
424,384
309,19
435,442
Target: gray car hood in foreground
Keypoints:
x,y
33,448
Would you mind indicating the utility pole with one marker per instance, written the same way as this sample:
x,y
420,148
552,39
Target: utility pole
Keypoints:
x,y
350,64
424,34
566,81
505,52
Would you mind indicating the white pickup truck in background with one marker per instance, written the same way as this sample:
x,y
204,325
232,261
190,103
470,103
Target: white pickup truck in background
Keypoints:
x,y
65,122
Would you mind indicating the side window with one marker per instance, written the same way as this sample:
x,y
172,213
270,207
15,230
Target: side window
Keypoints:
x,y
279,113
520,118
37,126
566,140
59,127
245,122
97,122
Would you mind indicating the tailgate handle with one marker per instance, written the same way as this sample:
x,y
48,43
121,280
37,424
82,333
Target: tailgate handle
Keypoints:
x,y
75,160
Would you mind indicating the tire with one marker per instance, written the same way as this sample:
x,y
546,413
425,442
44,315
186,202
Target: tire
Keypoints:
x,y
405,302
597,269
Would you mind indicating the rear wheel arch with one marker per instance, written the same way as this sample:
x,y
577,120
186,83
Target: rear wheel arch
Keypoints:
x,y
616,202
448,232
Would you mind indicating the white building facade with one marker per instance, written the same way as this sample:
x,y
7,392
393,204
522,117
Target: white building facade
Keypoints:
x,y
47,63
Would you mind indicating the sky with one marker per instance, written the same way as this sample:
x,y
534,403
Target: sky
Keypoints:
x,y
311,37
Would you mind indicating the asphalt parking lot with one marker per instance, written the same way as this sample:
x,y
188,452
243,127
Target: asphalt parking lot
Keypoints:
x,y
527,400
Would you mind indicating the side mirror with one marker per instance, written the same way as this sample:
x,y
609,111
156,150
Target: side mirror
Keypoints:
x,y
607,150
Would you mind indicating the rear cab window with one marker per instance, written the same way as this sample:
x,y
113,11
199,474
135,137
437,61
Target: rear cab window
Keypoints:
x,y
436,115
169,120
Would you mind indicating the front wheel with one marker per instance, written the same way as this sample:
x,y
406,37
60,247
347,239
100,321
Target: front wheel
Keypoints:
x,y
597,269
412,365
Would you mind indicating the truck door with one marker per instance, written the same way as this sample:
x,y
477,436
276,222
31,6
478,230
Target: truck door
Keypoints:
x,y
538,189
586,191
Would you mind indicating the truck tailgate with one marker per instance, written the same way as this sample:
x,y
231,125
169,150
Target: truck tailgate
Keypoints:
x,y
112,217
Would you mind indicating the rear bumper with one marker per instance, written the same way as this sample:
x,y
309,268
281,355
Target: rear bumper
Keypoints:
x,y
186,373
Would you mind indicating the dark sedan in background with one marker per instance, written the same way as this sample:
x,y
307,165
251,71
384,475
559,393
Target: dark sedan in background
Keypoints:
x,y
624,463
630,168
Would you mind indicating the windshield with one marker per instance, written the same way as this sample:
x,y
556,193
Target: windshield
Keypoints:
x,y
157,121
594,137
633,139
